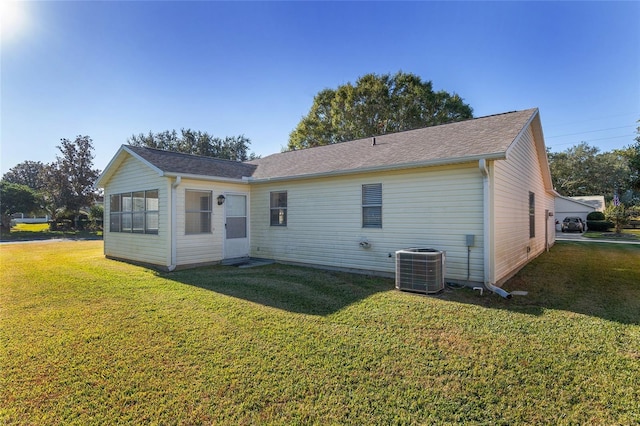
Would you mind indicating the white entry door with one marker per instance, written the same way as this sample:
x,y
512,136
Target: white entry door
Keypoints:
x,y
236,241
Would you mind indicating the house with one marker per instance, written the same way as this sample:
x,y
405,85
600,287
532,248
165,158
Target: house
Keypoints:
x,y
572,206
347,206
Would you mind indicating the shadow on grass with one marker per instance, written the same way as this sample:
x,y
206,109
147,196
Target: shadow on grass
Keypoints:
x,y
294,289
599,280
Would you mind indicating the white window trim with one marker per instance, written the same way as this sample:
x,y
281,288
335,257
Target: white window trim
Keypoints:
x,y
285,208
371,204
209,212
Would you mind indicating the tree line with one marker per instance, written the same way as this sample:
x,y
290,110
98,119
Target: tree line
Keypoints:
x,y
584,170
235,148
61,188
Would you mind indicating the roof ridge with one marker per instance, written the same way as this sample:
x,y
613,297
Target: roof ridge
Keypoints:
x,y
166,151
407,130
451,122
459,141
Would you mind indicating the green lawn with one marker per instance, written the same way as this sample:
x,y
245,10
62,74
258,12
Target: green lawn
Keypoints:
x,y
626,235
85,340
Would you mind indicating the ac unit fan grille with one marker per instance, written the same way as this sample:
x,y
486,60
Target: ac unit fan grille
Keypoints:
x,y
420,270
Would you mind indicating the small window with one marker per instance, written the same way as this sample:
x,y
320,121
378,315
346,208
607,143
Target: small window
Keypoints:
x,y
278,206
372,205
127,207
115,216
152,219
198,212
532,215
138,205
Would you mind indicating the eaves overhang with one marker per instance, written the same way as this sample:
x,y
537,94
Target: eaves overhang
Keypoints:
x,y
243,180
384,168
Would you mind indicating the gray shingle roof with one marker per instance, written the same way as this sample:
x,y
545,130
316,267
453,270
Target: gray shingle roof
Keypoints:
x,y
177,163
485,136
457,142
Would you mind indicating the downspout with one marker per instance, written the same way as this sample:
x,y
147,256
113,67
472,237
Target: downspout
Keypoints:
x,y
174,223
488,235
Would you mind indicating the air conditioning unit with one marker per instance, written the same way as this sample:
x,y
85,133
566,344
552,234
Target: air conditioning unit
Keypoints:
x,y
420,270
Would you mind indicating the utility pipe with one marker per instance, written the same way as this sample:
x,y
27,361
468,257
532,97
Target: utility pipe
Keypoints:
x,y
174,223
488,235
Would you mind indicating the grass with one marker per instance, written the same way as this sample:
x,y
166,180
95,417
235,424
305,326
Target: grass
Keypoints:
x,y
86,340
40,231
627,234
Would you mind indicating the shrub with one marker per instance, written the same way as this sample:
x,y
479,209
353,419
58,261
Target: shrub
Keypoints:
x,y
60,225
595,216
599,225
96,214
618,215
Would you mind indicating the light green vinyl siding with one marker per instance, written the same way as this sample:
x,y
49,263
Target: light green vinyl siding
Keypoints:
x,y
513,179
206,247
430,207
148,248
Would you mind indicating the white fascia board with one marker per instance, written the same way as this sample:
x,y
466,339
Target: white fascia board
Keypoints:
x,y
404,166
106,172
538,139
137,157
203,177
521,132
115,161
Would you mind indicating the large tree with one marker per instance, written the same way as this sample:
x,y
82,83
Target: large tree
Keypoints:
x,y
56,191
633,154
67,184
375,105
71,178
188,141
15,198
584,170
29,173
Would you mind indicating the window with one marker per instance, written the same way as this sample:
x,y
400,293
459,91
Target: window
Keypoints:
x,y
151,218
126,212
138,206
135,212
532,215
198,212
372,205
115,215
278,206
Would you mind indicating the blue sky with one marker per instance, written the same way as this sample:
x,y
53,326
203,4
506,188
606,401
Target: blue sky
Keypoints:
x,y
113,69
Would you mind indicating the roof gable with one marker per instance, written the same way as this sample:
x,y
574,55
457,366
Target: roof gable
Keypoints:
x,y
176,163
538,138
595,201
168,163
115,163
573,201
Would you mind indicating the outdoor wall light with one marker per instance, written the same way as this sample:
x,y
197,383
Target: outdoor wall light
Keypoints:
x,y
220,199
